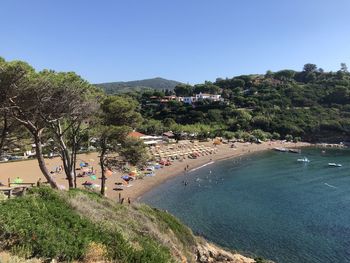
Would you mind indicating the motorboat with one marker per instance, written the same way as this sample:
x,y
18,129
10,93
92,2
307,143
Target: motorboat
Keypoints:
x,y
334,164
304,160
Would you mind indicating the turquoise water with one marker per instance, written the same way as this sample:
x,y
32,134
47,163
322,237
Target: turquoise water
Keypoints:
x,y
268,205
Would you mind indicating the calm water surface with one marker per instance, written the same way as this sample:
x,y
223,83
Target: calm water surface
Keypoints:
x,y
268,204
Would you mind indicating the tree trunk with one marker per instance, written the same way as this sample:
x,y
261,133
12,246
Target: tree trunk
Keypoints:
x,y
41,161
103,176
75,173
3,134
67,167
74,159
74,162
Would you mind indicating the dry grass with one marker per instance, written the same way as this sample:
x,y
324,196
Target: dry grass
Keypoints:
x,y
6,257
95,253
132,221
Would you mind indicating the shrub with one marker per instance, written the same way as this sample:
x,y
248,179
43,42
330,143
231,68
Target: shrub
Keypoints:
x,y
276,136
296,139
168,221
289,137
42,224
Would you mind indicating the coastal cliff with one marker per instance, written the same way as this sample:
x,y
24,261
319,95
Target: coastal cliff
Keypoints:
x,y
81,226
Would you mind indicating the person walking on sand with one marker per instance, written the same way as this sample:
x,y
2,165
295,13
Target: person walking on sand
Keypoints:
x,y
129,201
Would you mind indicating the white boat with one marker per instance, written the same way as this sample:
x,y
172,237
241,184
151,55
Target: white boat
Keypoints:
x,y
305,160
334,164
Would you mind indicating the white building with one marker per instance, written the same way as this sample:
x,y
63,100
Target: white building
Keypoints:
x,y
201,96
212,97
189,100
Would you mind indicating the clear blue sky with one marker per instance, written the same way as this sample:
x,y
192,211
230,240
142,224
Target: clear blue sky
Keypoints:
x,y
185,40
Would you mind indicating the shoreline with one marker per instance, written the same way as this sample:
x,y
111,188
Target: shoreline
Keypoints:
x,y
224,153
30,173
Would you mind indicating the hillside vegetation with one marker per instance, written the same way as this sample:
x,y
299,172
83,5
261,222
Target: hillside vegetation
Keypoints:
x,y
82,226
311,104
138,85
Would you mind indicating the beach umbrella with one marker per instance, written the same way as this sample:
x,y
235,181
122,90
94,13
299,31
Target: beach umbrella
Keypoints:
x,y
125,177
93,177
108,173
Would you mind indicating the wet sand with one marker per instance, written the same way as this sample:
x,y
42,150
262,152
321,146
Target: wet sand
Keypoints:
x,y
30,173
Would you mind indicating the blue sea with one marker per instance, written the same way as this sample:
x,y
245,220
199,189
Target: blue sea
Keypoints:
x,y
268,205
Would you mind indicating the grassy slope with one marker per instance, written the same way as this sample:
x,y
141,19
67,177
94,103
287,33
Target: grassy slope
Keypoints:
x,y
82,226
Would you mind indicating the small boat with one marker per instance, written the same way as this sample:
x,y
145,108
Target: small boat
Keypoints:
x,y
305,160
334,164
281,149
294,150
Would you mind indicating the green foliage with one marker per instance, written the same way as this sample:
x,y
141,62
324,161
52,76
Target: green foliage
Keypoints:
x,y
183,90
138,85
296,139
311,104
119,111
168,221
260,135
207,87
276,136
289,138
154,127
134,151
42,224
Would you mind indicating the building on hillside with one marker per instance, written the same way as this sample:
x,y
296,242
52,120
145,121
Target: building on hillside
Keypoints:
x,y
189,100
207,96
200,97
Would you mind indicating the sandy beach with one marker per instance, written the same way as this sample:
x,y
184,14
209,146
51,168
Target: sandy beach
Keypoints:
x,y
29,171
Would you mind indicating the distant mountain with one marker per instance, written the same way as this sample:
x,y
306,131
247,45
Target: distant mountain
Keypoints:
x,y
137,85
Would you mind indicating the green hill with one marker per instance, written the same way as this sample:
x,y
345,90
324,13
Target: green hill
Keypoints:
x,y
82,226
138,85
310,105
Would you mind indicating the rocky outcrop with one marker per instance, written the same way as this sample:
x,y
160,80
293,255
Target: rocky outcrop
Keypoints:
x,y
209,253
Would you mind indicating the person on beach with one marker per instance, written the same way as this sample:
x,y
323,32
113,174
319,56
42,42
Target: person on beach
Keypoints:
x,y
129,201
